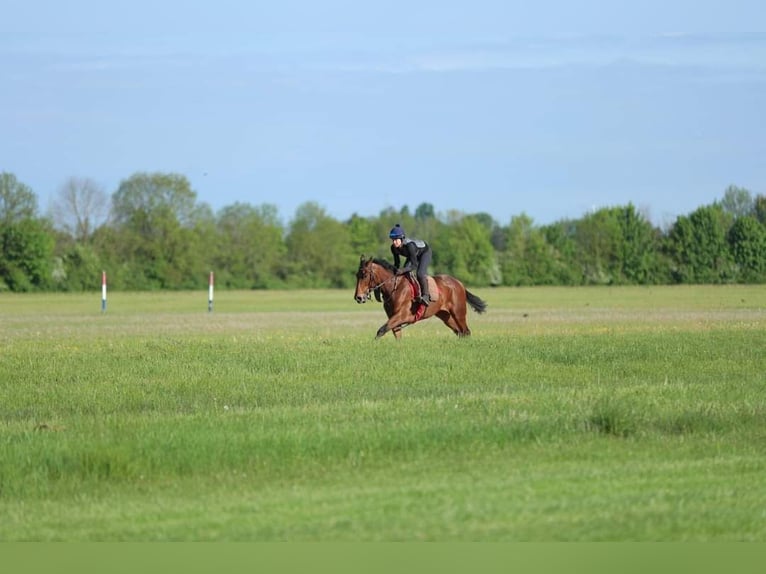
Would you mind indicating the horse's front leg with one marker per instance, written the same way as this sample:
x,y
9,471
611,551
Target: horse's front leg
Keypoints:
x,y
394,324
382,331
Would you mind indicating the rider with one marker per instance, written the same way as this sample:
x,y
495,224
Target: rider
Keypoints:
x,y
418,256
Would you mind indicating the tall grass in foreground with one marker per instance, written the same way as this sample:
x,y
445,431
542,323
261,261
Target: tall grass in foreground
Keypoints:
x,y
577,414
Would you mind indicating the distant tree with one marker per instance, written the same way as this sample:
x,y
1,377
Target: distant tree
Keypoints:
x,y
17,200
424,211
759,208
26,256
26,241
201,259
639,249
147,196
155,215
560,236
465,251
250,247
365,238
514,261
80,207
78,267
618,245
528,259
699,248
485,219
737,201
108,243
319,250
495,230
747,241
599,240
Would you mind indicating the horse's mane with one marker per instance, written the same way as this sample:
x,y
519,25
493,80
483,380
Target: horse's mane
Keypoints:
x,y
385,264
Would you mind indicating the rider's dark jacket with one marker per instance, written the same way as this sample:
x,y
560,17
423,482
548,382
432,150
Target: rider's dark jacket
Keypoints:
x,y
416,252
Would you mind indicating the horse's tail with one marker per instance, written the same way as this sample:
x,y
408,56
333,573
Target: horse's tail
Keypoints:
x,y
476,303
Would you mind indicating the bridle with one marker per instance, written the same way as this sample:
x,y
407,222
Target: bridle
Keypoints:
x,y
374,288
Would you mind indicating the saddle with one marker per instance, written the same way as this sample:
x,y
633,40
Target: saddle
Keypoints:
x,y
415,286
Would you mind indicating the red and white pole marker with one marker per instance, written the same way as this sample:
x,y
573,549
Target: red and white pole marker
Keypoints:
x,y
210,293
103,291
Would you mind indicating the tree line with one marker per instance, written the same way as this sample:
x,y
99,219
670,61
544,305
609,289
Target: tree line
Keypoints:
x,y
153,233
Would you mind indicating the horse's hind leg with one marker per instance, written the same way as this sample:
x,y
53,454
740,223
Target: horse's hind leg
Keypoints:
x,y
450,321
454,322
463,325
458,312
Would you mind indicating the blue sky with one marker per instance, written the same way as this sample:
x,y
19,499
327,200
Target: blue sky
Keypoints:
x,y
549,108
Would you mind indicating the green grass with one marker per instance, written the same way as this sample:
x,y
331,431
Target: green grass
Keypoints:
x,y
570,414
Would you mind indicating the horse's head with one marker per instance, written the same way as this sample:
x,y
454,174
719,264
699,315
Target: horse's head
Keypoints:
x,y
373,276
365,280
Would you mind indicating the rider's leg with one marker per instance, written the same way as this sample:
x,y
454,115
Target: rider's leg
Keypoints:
x,y
422,272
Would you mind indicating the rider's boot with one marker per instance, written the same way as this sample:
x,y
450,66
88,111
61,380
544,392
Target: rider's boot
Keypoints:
x,y
425,297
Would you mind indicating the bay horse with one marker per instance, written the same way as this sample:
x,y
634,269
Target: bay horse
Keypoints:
x,y
449,298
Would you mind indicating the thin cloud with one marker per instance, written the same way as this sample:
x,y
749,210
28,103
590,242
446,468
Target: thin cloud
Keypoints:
x,y
670,48
666,49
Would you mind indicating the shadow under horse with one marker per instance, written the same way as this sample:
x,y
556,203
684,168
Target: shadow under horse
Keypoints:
x,y
449,298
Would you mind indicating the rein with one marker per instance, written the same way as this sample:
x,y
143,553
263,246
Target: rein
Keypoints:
x,y
378,286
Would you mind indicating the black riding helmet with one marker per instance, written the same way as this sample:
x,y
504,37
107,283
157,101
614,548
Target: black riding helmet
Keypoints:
x,y
396,232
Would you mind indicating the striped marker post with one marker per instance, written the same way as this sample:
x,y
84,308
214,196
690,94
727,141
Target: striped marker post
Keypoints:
x,y
210,293
103,291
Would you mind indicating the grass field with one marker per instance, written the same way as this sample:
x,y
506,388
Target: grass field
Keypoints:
x,y
571,414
